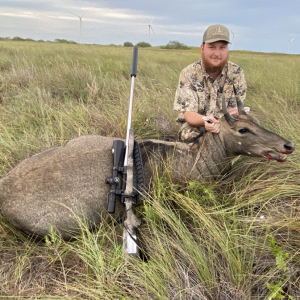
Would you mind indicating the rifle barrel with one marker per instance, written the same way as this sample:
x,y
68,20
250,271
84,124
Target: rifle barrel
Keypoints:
x,y
133,75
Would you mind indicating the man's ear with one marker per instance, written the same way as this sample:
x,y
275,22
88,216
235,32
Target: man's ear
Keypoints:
x,y
201,48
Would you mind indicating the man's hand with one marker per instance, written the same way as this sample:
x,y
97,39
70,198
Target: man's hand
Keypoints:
x,y
213,127
196,120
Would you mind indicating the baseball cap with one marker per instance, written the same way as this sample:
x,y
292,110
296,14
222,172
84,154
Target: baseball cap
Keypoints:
x,y
216,33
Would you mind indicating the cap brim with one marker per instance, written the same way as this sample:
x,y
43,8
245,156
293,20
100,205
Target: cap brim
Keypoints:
x,y
216,40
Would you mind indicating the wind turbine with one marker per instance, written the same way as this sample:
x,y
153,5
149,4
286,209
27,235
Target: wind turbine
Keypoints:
x,y
290,44
81,25
232,39
150,28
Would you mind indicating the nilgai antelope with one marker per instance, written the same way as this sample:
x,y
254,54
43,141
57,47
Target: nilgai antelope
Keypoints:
x,y
53,186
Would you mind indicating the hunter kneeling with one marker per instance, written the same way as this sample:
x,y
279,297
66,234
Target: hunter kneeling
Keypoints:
x,y
201,85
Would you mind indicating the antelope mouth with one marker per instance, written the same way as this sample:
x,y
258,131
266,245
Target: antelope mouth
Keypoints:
x,y
273,155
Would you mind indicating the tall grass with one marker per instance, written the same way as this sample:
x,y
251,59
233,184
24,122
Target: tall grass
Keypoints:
x,y
232,239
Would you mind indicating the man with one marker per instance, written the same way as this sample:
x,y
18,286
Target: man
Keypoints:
x,y
199,92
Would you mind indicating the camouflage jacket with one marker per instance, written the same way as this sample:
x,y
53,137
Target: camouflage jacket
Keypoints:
x,y
198,92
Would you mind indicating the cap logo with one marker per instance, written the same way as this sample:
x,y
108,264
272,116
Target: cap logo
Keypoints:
x,y
219,31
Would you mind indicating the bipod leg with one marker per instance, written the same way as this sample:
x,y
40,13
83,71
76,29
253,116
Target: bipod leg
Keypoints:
x,y
132,222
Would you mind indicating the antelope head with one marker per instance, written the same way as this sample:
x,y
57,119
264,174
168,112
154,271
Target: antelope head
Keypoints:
x,y
241,134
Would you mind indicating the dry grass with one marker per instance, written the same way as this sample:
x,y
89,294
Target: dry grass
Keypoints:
x,y
205,241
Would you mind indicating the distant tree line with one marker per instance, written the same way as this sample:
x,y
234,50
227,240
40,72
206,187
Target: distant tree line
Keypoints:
x,y
175,45
170,45
17,38
64,41
140,44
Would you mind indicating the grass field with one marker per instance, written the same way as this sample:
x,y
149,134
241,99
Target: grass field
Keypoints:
x,y
233,239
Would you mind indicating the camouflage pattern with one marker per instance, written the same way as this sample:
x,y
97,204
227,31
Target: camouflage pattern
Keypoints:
x,y
198,92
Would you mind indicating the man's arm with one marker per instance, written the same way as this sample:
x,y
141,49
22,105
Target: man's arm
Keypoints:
x,y
186,98
196,120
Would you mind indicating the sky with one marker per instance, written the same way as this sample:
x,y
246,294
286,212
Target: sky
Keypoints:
x,y
257,25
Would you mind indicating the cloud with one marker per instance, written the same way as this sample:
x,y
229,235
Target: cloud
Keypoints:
x,y
117,21
118,15
61,10
24,14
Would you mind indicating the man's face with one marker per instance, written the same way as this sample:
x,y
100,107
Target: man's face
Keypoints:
x,y
214,56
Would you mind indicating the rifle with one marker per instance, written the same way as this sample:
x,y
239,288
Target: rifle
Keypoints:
x,y
129,168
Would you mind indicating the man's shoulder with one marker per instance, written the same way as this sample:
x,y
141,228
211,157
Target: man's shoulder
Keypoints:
x,y
234,68
194,67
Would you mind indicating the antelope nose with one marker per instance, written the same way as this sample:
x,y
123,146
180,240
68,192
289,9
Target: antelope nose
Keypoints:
x,y
289,147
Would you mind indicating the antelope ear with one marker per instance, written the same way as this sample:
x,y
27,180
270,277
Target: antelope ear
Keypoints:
x,y
247,109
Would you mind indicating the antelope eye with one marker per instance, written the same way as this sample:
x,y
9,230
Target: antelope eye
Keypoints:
x,y
244,130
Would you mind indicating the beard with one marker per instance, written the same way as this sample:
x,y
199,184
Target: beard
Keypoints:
x,y
210,68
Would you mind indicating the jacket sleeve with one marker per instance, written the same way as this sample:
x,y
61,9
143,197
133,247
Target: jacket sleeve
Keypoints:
x,y
186,98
